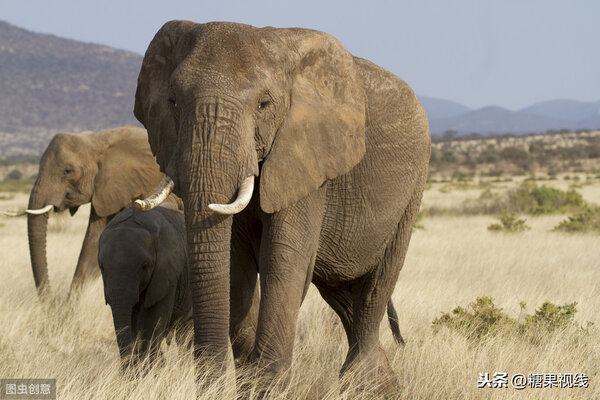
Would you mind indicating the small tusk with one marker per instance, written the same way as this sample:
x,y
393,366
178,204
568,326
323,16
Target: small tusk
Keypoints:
x,y
39,211
159,195
243,198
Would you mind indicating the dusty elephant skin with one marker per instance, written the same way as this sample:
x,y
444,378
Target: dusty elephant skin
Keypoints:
x,y
143,261
340,148
109,169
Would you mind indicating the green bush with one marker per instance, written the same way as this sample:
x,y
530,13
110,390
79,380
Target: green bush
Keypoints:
x,y
483,319
509,222
532,199
15,174
551,317
584,221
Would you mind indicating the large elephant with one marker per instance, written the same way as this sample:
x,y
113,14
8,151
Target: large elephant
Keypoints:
x,y
341,149
143,261
110,169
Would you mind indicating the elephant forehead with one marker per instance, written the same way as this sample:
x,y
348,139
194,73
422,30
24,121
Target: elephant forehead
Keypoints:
x,y
236,51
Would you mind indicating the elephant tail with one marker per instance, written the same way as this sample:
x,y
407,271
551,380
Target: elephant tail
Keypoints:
x,y
393,319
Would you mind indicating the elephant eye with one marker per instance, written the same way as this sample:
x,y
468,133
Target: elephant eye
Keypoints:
x,y
172,101
68,171
264,104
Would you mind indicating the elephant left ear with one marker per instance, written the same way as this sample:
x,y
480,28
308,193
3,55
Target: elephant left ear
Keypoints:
x,y
323,135
127,171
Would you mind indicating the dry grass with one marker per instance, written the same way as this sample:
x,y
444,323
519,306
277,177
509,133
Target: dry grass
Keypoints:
x,y
451,262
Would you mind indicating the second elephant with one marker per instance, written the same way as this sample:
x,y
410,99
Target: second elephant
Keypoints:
x,y
108,169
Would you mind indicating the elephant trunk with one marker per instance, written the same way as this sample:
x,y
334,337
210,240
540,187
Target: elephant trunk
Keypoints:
x,y
210,164
36,230
123,329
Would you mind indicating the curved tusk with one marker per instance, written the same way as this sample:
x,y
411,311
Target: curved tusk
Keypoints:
x,y
243,198
38,211
159,195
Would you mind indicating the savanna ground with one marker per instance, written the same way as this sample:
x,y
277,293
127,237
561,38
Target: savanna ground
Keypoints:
x,y
450,262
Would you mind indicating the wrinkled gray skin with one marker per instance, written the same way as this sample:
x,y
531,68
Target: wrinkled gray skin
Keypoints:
x,y
109,169
143,260
340,148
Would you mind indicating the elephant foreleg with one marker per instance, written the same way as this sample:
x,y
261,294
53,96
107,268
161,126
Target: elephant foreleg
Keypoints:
x,y
87,264
287,256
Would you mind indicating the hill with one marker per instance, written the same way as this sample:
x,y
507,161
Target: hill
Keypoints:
x,y
494,119
537,118
51,84
438,108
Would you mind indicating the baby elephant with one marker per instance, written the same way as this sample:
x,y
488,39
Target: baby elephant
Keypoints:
x,y
143,260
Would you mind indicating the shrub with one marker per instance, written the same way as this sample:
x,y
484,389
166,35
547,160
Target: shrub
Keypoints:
x,y
15,174
585,221
509,223
551,317
484,319
532,199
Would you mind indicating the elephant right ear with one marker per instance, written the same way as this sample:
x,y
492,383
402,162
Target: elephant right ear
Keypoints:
x,y
152,106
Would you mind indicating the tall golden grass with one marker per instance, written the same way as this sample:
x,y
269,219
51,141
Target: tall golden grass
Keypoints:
x,y
451,262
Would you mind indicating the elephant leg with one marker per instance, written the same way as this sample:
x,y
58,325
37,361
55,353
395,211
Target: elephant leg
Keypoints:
x,y
371,296
287,255
244,296
87,265
340,299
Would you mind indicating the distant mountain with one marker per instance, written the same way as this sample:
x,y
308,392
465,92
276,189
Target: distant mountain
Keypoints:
x,y
438,108
537,118
493,119
569,110
50,84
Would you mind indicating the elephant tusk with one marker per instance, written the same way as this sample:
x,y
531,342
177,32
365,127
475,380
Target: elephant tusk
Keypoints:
x,y
38,211
159,195
13,214
243,198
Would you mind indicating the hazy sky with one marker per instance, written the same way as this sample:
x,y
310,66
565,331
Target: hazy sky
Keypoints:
x,y
477,52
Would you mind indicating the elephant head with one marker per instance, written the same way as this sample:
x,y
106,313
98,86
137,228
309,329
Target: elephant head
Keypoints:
x,y
142,259
108,169
224,103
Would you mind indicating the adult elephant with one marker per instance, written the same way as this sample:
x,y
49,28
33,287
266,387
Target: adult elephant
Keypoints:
x,y
341,149
110,169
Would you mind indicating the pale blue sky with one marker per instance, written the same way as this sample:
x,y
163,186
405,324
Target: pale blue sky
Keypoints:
x,y
510,53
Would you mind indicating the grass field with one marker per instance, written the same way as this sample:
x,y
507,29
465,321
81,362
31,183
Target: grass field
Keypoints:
x,y
451,262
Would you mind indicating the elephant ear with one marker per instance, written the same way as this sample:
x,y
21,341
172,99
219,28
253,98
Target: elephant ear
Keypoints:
x,y
170,262
152,106
323,135
127,171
